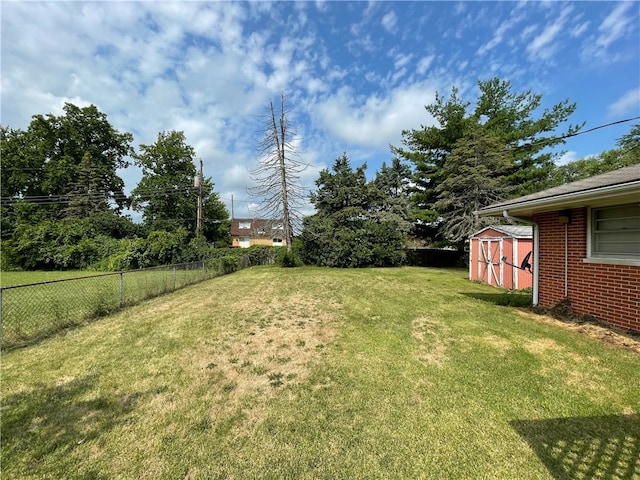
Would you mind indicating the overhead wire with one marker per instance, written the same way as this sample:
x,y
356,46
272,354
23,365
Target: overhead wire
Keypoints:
x,y
65,199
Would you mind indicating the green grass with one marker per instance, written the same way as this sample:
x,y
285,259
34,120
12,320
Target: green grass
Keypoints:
x,y
313,373
9,279
34,311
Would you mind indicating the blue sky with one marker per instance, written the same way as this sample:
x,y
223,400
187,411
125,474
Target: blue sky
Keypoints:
x,y
355,74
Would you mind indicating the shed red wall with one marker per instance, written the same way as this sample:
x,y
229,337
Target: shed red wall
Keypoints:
x,y
509,273
608,292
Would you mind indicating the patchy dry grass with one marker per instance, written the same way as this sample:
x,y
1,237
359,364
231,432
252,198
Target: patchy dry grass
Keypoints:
x,y
275,343
432,339
313,373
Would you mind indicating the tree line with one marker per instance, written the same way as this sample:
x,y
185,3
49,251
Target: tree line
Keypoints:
x,y
503,146
62,197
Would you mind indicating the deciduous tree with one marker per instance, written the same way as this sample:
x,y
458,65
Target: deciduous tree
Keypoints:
x,y
626,153
42,164
166,194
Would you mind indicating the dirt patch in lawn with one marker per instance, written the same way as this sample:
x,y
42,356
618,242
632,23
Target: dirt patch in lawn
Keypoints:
x,y
590,328
271,343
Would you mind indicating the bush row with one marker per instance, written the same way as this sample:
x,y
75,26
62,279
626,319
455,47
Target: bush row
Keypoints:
x,y
77,246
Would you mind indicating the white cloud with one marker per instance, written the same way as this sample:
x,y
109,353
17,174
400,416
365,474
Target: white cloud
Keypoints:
x,y
321,5
389,22
424,64
578,30
545,45
401,60
566,157
615,25
629,103
500,33
211,68
375,121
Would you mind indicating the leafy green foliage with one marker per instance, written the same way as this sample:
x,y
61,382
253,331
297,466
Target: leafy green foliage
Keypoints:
x,y
166,195
60,167
290,258
46,159
627,153
66,244
62,197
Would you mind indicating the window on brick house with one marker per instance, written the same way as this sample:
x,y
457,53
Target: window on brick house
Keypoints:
x,y
244,225
615,232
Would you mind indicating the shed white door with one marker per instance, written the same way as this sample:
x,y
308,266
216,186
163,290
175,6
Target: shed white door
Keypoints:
x,y
489,264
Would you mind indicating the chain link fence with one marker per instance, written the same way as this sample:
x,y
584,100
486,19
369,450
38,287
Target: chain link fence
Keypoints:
x,y
31,312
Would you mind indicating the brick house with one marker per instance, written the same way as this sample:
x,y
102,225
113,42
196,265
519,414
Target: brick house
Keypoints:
x,y
246,232
586,245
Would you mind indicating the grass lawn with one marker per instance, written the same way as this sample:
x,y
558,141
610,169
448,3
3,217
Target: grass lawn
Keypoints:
x,y
32,311
9,279
313,373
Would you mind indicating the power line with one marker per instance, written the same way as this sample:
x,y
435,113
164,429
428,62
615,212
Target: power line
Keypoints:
x,y
65,199
576,134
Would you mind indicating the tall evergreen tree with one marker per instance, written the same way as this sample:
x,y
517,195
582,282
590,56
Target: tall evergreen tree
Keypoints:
x,y
393,204
474,177
513,119
347,230
86,196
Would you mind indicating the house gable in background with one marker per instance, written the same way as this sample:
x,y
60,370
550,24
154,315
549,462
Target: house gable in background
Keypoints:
x,y
246,232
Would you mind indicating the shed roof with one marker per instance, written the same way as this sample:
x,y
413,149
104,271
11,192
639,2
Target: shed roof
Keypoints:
x,y
516,231
621,185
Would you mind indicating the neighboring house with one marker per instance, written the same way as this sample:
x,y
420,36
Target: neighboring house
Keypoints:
x,y
497,252
246,232
586,244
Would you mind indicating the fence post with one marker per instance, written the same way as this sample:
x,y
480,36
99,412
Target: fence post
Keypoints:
x,y
121,289
204,270
174,277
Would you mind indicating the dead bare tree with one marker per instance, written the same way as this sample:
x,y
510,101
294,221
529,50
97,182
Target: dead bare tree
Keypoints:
x,y
277,189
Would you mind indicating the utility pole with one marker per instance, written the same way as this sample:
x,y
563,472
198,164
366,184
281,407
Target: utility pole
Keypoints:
x,y
199,180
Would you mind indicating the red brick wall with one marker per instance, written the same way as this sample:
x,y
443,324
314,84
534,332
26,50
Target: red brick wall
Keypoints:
x,y
608,292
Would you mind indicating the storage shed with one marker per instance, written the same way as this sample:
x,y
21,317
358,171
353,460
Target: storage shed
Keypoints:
x,y
497,252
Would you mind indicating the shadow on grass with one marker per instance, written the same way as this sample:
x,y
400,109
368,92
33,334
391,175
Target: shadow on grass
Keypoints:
x,y
507,298
42,427
606,447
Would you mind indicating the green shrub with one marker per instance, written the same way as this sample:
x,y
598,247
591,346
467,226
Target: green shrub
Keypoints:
x,y
288,259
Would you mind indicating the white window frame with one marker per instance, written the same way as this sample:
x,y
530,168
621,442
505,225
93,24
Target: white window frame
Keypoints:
x,y
595,257
244,225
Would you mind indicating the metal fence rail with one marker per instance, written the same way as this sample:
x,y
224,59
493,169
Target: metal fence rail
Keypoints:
x,y
31,312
